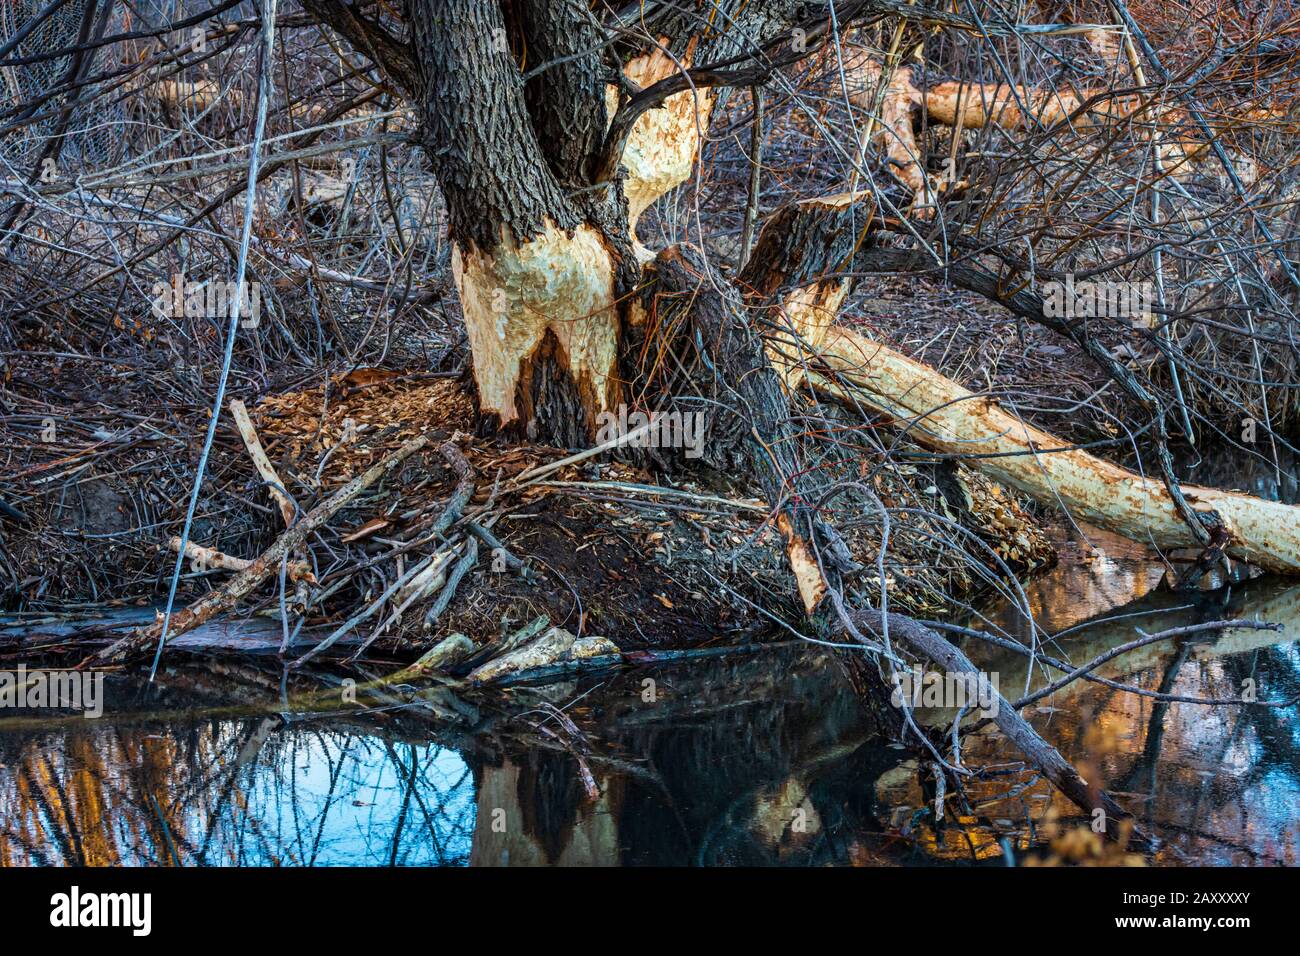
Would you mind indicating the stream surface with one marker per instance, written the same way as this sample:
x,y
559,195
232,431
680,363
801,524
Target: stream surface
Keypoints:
x,y
763,758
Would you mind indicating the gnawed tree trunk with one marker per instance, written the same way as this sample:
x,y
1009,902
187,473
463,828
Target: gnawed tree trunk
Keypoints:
x,y
794,275
543,256
541,210
539,274
661,149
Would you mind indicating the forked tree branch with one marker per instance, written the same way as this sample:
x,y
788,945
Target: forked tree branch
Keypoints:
x,y
394,57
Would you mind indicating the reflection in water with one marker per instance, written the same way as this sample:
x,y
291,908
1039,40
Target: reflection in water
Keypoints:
x,y
230,792
757,761
1219,784
764,759
1098,571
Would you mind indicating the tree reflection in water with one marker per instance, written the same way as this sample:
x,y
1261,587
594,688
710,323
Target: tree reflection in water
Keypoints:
x,y
761,759
231,792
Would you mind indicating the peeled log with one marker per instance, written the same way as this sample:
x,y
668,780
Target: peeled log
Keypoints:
x,y
972,105
794,273
212,558
947,418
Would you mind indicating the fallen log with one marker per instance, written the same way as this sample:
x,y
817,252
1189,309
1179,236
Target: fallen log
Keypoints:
x,y
945,417
796,274
895,97
795,281
1057,769
449,651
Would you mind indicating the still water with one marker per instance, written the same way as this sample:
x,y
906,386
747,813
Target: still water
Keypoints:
x,y
757,759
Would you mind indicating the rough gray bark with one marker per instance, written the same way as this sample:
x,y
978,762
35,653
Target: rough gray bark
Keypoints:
x,y
506,173
566,96
748,412
476,128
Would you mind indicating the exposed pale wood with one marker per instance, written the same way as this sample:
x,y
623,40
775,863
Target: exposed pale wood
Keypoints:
x,y
803,564
972,105
425,581
794,267
195,95
449,651
212,558
663,144
948,418
549,647
260,460
514,296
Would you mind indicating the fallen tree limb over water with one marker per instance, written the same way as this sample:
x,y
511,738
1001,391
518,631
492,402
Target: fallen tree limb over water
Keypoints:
x,y
1043,755
944,416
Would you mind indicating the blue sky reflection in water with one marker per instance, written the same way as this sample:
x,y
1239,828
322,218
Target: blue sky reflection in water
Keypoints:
x,y
231,792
